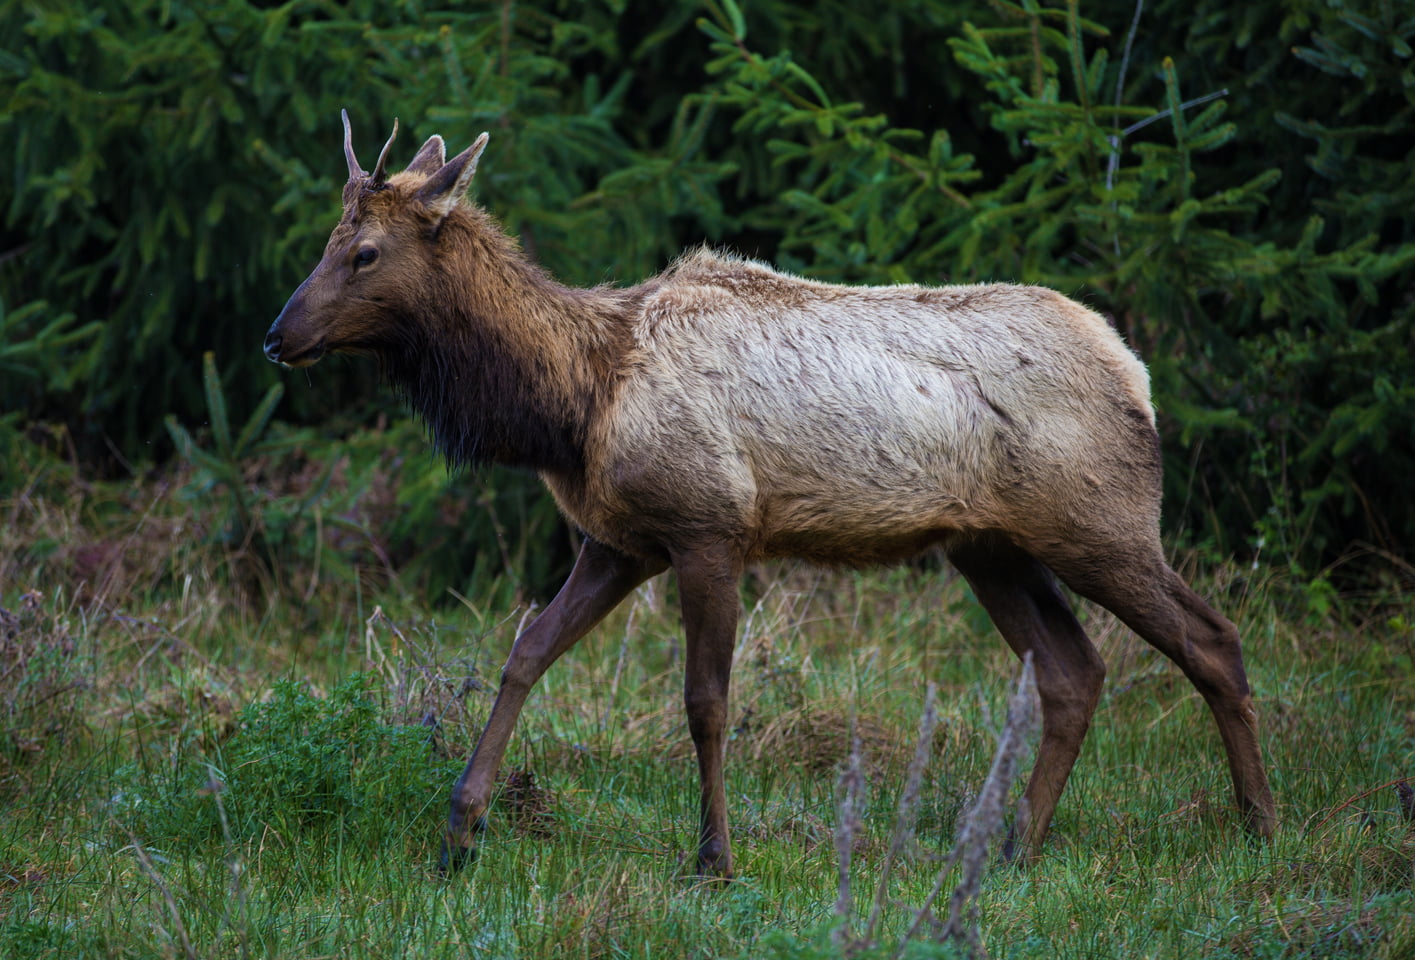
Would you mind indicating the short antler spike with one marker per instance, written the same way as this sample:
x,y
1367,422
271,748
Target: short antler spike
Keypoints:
x,y
380,172
355,171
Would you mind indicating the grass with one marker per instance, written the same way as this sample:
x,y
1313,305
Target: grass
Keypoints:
x,y
189,772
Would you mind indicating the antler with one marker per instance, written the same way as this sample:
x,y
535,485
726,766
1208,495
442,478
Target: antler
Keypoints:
x,y
356,172
380,173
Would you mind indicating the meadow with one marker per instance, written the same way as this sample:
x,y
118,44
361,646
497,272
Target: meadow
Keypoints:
x,y
199,760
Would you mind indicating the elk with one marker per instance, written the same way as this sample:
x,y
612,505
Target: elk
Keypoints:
x,y
723,412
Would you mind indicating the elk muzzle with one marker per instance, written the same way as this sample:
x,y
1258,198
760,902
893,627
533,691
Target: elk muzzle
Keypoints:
x,y
279,349
273,342
288,342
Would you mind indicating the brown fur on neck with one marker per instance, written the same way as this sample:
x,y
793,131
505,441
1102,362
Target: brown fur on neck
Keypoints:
x,y
509,366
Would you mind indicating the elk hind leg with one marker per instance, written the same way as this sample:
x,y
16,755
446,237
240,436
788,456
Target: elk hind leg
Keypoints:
x,y
1022,598
1140,588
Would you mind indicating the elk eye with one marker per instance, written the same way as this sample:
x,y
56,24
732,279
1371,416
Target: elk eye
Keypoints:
x,y
365,256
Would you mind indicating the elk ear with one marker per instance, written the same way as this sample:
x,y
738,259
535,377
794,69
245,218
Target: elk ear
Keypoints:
x,y
430,157
444,189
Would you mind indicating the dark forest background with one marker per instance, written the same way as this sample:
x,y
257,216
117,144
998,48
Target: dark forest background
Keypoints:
x,y
1232,184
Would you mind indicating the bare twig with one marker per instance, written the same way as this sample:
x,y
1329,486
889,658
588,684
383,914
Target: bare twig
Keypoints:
x,y
1125,57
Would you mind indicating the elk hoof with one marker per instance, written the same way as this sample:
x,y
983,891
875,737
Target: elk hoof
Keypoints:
x,y
1260,822
708,877
1009,848
454,856
697,872
1017,852
713,872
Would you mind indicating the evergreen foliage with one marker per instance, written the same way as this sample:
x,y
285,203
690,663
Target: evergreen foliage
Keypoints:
x,y
1231,183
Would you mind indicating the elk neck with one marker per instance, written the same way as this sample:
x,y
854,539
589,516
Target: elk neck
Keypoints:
x,y
502,362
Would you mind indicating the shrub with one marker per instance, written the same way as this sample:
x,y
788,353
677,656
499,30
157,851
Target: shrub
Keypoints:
x,y
300,762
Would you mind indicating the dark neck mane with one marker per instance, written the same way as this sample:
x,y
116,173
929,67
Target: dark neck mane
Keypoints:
x,y
504,364
491,415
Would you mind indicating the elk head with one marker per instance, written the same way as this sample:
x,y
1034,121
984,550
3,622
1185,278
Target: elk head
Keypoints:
x,y
380,259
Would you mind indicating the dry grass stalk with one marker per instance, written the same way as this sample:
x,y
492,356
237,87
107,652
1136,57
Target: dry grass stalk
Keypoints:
x,y
982,822
852,790
179,929
907,816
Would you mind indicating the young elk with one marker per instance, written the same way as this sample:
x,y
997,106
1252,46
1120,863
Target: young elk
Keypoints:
x,y
723,412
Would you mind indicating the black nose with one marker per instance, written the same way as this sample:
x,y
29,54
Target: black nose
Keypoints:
x,y
273,340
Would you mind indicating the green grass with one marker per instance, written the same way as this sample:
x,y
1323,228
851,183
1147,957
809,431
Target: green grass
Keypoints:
x,y
158,726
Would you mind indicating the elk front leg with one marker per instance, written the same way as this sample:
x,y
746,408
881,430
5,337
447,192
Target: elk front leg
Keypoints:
x,y
707,582
601,578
